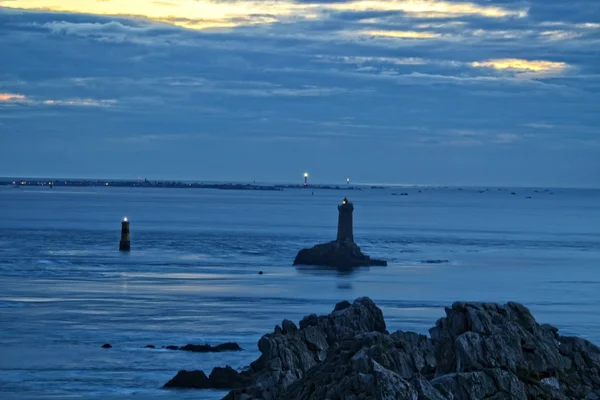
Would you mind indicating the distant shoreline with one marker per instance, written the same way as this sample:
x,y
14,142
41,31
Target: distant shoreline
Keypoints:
x,y
51,183
224,185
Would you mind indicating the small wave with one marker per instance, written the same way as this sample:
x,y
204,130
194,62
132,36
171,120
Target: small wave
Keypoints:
x,y
53,262
10,304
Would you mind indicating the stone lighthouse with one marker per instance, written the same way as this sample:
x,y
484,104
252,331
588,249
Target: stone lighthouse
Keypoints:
x,y
342,252
345,233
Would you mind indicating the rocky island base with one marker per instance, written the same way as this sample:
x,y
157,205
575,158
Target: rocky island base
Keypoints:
x,y
336,254
478,351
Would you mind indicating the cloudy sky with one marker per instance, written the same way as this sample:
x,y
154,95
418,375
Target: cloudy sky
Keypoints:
x,y
400,91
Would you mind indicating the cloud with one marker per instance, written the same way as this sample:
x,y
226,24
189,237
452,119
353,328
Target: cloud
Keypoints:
x,y
526,68
14,98
91,28
205,14
402,34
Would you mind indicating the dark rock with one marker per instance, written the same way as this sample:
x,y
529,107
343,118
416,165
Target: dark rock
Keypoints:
x,y
342,305
189,379
150,346
229,346
290,352
478,351
220,378
336,254
106,346
479,336
260,272
489,384
435,261
228,378
205,348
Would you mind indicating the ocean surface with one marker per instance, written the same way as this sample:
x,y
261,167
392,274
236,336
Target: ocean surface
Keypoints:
x,y
192,275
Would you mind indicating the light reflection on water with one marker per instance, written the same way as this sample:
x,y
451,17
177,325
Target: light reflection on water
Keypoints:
x,y
192,275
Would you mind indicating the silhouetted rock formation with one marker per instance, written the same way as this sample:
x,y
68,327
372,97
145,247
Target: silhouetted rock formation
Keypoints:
x,y
336,254
220,378
206,348
342,252
478,351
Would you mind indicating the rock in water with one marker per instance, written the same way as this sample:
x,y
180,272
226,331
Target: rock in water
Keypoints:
x,y
189,379
289,352
478,351
336,254
206,348
106,346
220,378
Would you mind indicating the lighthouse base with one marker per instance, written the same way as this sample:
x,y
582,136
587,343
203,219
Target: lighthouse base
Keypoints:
x,y
336,254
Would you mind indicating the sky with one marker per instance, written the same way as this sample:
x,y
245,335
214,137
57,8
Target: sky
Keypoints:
x,y
440,92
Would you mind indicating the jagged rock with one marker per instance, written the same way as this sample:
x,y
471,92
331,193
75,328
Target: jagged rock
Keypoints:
x,y
369,366
478,351
336,254
220,378
496,384
289,352
477,336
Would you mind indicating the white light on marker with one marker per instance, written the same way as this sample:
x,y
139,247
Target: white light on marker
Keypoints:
x,y
125,219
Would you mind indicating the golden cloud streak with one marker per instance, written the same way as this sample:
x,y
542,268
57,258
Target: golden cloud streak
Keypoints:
x,y
204,14
403,34
523,65
11,97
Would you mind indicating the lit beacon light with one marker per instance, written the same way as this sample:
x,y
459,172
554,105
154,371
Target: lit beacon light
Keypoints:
x,y
125,219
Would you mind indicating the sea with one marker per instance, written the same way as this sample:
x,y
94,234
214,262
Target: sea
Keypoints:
x,y
192,275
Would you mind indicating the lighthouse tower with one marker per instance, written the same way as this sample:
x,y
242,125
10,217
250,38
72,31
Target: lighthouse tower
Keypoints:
x,y
345,230
125,244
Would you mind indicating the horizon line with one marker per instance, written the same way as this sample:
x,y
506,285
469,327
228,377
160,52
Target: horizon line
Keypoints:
x,y
299,182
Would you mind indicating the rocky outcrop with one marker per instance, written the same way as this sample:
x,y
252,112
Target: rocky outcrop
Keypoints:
x,y
206,348
478,351
290,352
220,378
336,254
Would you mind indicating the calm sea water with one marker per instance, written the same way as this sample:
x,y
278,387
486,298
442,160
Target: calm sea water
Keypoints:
x,y
192,274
